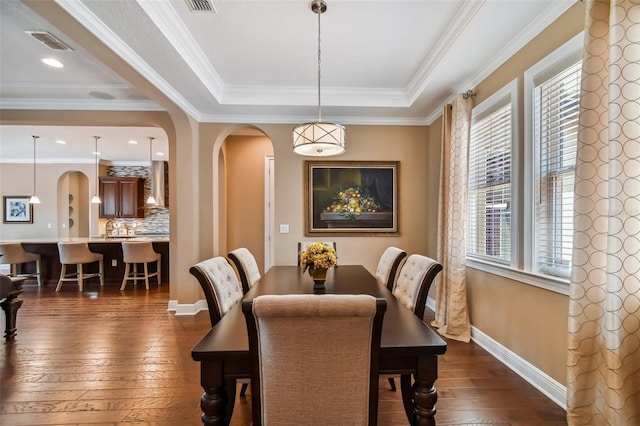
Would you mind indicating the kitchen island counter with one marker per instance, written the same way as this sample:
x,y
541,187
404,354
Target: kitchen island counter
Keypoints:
x,y
110,247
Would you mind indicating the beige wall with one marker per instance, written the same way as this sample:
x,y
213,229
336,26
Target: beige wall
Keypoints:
x,y
53,188
245,157
407,144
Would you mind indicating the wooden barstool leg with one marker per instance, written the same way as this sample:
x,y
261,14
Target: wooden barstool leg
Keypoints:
x,y
146,275
126,275
39,272
80,276
63,272
158,265
101,269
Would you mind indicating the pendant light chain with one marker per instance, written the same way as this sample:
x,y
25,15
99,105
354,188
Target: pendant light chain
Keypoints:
x,y
34,198
35,138
151,199
96,198
319,139
319,12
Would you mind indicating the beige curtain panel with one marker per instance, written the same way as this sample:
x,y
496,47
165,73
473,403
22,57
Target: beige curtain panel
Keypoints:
x,y
603,382
452,314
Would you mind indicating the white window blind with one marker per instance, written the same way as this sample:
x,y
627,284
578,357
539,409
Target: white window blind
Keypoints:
x,y
556,105
489,185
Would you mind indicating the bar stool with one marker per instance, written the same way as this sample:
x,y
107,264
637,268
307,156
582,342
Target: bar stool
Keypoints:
x,y
13,254
134,252
78,254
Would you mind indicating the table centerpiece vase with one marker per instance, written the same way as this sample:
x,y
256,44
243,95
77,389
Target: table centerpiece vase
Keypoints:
x,y
317,258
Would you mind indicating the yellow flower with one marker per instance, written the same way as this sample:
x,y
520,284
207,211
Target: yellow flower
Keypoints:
x,y
318,256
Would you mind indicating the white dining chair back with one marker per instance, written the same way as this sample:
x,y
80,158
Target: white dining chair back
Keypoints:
x,y
220,285
415,279
247,267
388,266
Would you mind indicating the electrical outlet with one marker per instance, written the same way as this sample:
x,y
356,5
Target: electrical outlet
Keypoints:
x,y
114,262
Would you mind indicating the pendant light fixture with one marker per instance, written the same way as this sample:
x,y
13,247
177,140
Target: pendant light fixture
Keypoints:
x,y
34,198
320,138
151,199
96,198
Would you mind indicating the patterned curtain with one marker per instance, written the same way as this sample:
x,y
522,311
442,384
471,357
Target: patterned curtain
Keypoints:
x,y
603,382
452,315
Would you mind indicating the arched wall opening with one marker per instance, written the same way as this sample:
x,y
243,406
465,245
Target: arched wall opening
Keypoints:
x,y
73,204
239,179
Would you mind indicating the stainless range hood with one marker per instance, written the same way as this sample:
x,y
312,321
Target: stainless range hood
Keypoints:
x,y
159,184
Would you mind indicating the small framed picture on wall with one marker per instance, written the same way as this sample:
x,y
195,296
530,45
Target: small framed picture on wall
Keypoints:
x,y
17,209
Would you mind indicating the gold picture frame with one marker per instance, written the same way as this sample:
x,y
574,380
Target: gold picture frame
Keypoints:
x,y
351,197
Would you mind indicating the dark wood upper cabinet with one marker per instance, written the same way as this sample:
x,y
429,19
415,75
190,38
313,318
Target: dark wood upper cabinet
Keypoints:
x,y
122,197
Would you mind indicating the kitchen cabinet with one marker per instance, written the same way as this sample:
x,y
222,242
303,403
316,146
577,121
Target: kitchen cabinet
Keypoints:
x,y
122,197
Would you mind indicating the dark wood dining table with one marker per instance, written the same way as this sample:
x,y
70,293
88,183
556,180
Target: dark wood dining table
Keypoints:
x,y
407,345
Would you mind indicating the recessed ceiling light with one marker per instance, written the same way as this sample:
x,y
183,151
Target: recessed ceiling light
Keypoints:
x,y
101,95
132,142
52,62
61,142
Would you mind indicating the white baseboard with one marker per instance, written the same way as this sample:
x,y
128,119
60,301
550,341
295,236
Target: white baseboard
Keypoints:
x,y
550,387
187,308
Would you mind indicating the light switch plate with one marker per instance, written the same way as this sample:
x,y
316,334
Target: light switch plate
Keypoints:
x,y
284,228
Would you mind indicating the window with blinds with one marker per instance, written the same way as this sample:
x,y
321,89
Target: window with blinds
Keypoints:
x,y
489,184
556,104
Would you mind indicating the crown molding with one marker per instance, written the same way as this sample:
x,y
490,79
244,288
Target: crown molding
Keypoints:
x,y
421,78
89,20
80,105
551,13
167,20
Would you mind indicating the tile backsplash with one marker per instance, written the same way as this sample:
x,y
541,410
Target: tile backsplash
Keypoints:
x,y
156,220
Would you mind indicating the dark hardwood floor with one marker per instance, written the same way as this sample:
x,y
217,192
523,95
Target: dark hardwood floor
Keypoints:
x,y
105,357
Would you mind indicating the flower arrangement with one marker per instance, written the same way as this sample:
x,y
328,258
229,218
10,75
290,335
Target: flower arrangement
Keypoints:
x,y
318,256
352,202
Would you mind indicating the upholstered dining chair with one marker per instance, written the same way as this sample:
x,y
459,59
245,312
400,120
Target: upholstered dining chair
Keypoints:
x,y
14,254
302,246
314,358
78,254
388,266
247,267
222,290
411,289
136,252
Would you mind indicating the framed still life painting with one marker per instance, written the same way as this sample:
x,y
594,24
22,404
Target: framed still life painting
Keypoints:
x,y
351,197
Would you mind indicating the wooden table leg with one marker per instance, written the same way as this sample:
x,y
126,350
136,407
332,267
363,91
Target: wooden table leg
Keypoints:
x,y
10,307
422,396
214,402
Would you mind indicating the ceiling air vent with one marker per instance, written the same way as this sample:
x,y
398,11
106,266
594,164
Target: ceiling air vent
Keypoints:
x,y
49,40
201,6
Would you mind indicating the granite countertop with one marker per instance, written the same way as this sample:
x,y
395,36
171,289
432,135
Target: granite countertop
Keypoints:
x,y
95,239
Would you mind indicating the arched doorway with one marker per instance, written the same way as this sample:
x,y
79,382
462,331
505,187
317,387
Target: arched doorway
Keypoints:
x,y
244,171
73,205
